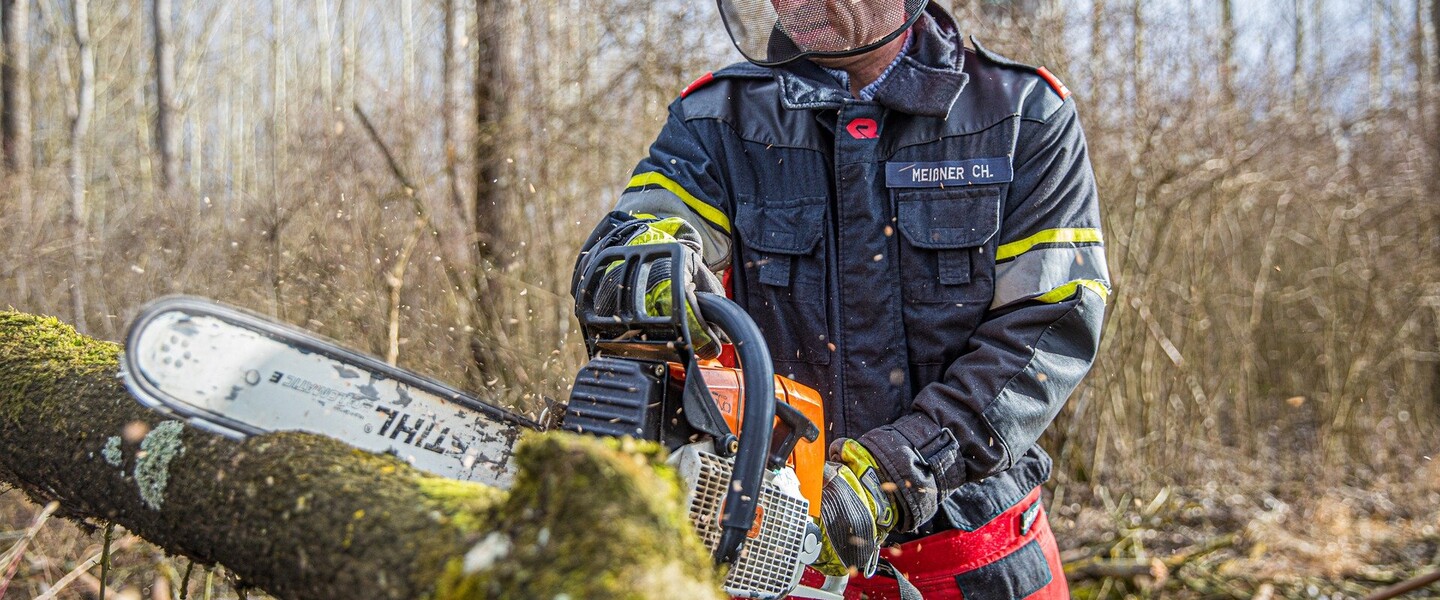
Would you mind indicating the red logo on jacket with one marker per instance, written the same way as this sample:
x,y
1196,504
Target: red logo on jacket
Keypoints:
x,y
863,129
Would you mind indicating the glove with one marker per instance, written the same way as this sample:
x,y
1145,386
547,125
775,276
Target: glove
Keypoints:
x,y
856,511
658,298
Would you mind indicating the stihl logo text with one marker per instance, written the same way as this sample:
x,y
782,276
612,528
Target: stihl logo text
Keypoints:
x,y
415,432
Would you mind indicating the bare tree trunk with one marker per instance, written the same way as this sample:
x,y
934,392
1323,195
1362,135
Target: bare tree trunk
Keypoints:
x,y
1375,82
15,134
407,49
1099,52
1427,22
307,517
1421,45
15,84
1137,29
325,31
1316,54
277,156
491,82
79,129
1227,52
452,114
349,23
166,142
1298,85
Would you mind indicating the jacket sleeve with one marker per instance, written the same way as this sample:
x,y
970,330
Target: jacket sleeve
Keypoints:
x,y
1037,341
679,178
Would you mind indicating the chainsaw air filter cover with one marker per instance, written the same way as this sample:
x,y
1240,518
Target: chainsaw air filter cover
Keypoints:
x,y
617,397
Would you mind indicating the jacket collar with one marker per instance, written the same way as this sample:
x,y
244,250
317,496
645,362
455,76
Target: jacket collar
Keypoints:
x,y
925,82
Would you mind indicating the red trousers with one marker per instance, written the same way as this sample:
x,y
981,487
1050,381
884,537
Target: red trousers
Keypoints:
x,y
1013,556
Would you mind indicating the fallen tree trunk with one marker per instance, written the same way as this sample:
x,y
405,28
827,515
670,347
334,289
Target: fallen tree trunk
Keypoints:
x,y
302,516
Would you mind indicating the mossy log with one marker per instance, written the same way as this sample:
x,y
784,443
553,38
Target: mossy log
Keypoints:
x,y
303,516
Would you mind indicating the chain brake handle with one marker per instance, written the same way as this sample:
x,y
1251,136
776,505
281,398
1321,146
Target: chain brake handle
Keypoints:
x,y
633,332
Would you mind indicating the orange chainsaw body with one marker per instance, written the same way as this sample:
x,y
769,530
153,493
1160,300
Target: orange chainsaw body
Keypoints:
x,y
808,458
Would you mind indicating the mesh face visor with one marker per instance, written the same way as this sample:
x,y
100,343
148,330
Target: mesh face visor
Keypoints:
x,y
774,32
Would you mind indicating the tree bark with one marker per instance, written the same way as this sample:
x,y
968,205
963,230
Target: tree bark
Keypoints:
x,y
1227,52
15,134
450,107
1298,85
303,516
79,172
165,129
491,81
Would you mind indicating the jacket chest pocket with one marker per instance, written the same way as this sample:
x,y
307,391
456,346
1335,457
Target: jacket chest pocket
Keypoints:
x,y
783,260
947,248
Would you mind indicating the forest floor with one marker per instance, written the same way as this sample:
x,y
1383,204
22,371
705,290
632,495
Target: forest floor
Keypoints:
x,y
1285,540
1294,539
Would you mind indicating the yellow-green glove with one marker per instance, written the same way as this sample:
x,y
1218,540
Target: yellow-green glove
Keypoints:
x,y
658,297
856,511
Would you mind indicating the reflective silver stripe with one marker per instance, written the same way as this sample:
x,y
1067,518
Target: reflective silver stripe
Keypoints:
x,y
662,203
1041,270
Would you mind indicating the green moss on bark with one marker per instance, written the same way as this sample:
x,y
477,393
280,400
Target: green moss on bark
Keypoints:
x,y
304,516
620,537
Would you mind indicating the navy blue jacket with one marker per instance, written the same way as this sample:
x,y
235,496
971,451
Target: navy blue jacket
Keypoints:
x,y
930,261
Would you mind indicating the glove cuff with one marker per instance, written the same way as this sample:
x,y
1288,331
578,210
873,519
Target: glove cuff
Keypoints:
x,y
919,457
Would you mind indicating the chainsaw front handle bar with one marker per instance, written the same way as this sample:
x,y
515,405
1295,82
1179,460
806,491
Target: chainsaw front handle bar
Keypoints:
x,y
756,425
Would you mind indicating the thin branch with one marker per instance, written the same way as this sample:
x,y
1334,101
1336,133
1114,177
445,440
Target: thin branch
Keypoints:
x,y
1406,586
15,554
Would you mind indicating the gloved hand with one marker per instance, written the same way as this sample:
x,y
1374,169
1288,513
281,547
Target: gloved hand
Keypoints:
x,y
857,511
658,297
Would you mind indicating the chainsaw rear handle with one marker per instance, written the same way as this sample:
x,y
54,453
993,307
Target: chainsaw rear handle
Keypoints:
x,y
632,331
758,378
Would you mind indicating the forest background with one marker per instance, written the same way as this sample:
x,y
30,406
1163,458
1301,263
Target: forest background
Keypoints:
x,y
413,178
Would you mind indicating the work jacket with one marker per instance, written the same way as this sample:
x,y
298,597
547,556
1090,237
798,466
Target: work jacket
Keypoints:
x,y
929,260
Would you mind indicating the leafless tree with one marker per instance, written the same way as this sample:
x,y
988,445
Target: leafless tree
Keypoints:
x,y
79,172
15,133
166,140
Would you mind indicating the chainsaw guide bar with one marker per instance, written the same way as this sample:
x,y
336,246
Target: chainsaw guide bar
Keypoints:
x,y
226,370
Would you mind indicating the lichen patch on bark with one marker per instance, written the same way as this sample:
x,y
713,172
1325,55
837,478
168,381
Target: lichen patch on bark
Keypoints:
x,y
152,467
111,452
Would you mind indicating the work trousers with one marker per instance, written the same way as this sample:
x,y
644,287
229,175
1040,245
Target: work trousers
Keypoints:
x,y
1012,557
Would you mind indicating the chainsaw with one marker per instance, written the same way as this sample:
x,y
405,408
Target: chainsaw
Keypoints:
x,y
744,440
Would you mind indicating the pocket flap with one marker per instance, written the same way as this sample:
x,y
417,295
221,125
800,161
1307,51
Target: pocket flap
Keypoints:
x,y
784,226
959,218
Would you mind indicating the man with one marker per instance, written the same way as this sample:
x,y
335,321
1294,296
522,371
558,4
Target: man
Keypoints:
x,y
914,226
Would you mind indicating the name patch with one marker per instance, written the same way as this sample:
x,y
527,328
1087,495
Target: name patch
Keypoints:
x,y
975,171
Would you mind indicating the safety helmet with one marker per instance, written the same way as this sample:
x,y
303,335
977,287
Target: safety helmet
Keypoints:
x,y
774,32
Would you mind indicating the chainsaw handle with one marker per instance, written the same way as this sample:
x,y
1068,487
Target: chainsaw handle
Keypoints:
x,y
758,373
627,328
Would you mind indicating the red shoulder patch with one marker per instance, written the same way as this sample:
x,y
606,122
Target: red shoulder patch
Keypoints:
x,y
697,84
1054,82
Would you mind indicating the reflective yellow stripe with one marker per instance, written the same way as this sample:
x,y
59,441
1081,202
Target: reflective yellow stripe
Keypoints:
x,y
1067,290
1049,236
707,212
